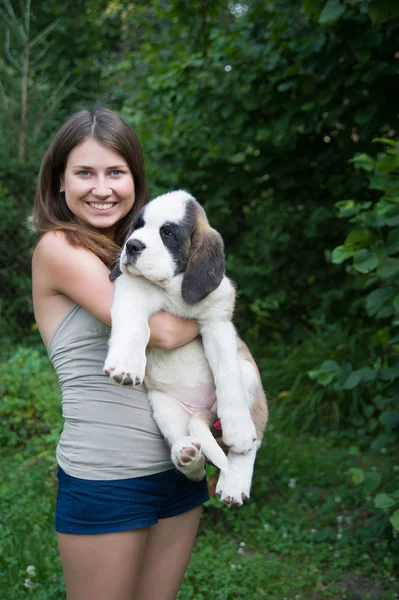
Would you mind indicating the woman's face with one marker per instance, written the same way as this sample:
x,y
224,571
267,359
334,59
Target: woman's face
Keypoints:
x,y
98,186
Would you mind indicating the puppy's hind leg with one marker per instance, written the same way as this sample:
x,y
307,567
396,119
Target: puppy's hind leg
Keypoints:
x,y
255,395
172,420
234,485
199,427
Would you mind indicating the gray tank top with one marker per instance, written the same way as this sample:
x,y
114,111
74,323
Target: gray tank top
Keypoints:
x,y
109,432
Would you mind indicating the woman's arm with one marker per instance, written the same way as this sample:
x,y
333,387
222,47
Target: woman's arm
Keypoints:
x,y
81,276
168,331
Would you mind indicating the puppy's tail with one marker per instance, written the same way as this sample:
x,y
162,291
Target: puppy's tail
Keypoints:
x,y
199,427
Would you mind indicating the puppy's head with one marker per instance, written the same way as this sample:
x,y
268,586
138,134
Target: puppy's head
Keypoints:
x,y
171,235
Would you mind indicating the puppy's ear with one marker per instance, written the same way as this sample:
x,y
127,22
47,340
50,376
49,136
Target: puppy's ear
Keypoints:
x,y
205,268
115,273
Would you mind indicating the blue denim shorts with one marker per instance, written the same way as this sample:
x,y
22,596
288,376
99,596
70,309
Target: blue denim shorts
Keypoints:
x,y
87,506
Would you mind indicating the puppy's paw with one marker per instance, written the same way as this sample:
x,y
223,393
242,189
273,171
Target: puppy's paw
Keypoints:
x,y
233,488
188,458
239,432
126,369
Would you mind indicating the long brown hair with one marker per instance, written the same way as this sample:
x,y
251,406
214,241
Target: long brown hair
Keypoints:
x,y
50,211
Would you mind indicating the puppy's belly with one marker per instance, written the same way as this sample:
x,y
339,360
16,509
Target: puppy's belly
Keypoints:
x,y
183,373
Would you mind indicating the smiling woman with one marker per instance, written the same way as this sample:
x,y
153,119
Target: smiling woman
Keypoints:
x,y
115,476
100,193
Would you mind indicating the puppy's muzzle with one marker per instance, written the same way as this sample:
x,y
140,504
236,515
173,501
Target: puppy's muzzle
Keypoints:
x,y
134,248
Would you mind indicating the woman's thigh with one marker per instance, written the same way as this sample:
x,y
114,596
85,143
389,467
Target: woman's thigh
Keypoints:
x,y
166,556
103,566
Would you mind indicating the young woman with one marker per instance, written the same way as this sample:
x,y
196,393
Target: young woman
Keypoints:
x,y
126,520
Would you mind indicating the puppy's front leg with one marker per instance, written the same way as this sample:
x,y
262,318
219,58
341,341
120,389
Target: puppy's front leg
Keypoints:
x,y
126,359
220,345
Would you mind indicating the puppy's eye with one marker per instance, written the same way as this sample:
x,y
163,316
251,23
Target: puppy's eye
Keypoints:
x,y
166,230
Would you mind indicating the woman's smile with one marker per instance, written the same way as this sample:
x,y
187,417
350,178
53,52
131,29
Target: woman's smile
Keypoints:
x,y
103,207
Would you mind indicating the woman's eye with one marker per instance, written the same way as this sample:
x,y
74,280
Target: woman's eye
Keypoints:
x,y
84,173
116,172
166,230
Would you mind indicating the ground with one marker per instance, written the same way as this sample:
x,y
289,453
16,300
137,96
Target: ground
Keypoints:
x,y
306,533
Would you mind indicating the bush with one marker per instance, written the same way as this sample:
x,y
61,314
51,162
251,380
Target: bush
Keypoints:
x,y
30,405
16,316
373,248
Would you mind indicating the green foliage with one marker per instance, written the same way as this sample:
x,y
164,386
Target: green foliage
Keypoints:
x,y
15,286
372,248
29,395
324,524
255,109
330,11
307,396
256,112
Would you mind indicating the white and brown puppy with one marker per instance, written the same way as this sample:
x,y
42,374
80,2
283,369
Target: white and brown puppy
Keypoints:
x,y
174,261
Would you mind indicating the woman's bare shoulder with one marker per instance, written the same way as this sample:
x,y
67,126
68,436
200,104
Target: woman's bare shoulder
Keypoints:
x,y
53,242
74,272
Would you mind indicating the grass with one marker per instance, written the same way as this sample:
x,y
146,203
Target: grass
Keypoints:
x,y
307,532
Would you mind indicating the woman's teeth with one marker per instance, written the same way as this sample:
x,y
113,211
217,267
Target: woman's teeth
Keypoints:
x,y
102,206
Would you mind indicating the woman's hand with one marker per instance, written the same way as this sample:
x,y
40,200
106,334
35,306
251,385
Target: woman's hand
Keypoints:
x,y
168,331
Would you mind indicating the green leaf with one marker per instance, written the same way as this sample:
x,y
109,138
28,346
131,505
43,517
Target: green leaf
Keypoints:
x,y
307,106
341,253
394,339
357,475
393,236
238,158
388,268
360,238
363,161
386,164
378,182
348,208
394,519
331,13
383,440
326,373
386,141
390,419
352,381
385,312
384,401
389,374
377,298
372,481
392,216
383,10
284,86
310,6
384,501
367,375
329,365
365,261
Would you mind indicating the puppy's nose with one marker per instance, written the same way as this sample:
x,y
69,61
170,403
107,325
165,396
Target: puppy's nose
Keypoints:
x,y
134,246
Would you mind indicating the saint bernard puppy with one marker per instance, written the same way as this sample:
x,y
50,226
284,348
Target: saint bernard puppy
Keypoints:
x,y
173,261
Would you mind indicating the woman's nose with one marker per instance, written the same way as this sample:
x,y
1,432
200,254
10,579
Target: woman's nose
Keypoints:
x,y
101,189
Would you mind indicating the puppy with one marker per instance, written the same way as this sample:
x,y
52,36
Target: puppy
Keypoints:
x,y
173,260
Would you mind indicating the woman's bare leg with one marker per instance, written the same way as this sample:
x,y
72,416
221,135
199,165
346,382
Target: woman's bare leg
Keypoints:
x,y
102,567
166,557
